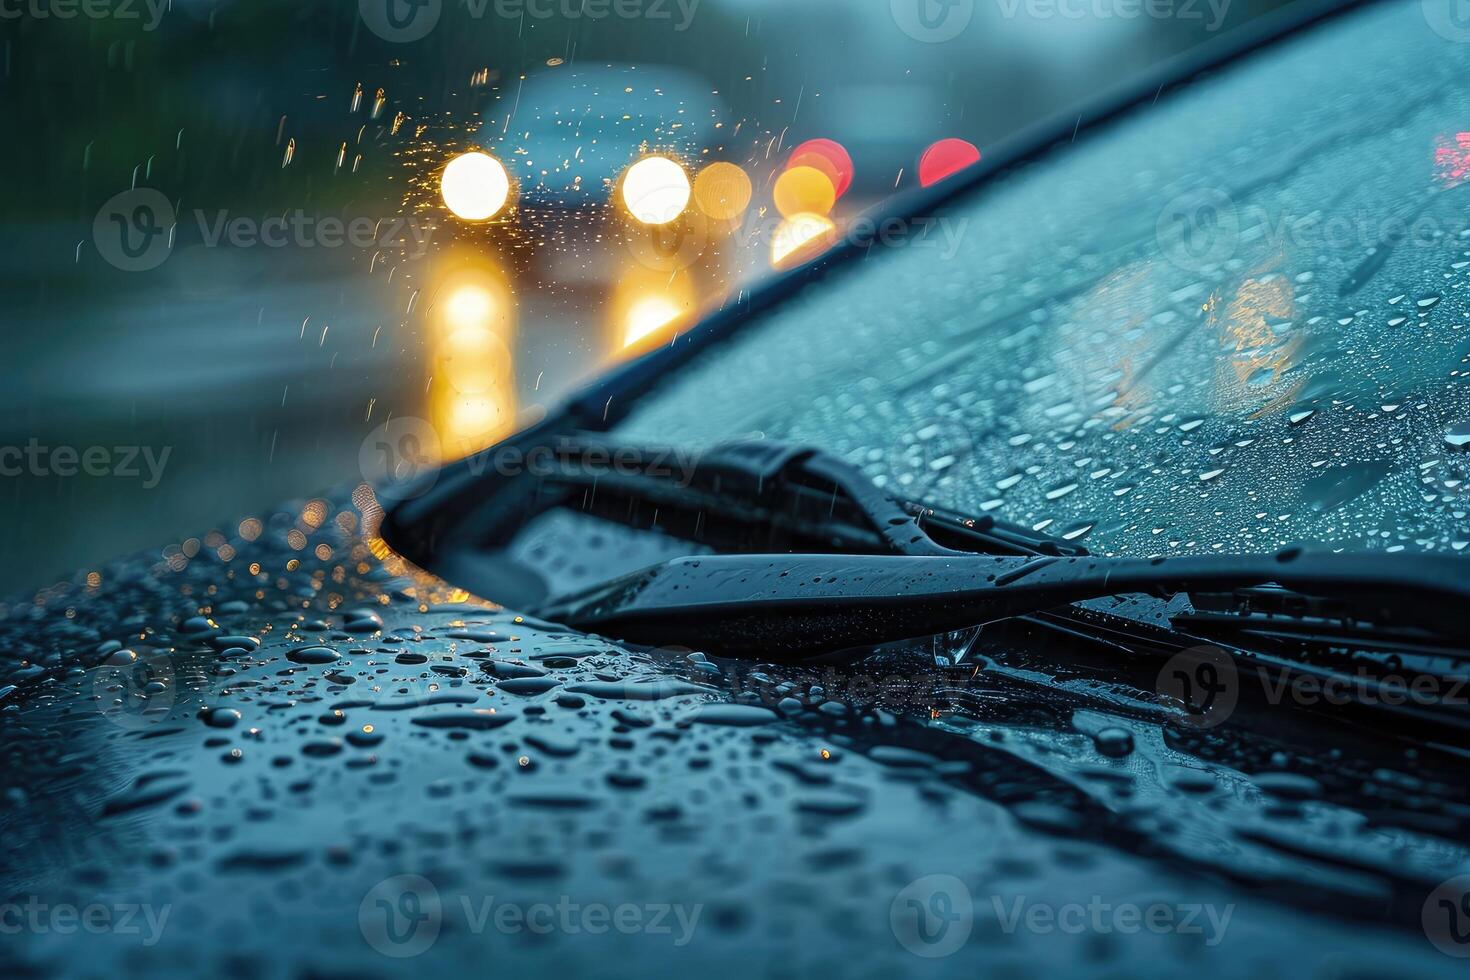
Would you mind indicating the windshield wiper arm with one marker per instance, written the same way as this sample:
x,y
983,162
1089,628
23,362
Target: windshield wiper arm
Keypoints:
x,y
783,606
813,557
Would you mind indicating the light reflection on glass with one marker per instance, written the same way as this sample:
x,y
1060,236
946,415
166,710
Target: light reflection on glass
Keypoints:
x,y
648,308
472,390
1255,327
801,237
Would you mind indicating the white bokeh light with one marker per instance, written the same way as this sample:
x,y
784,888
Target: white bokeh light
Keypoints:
x,y
475,186
656,190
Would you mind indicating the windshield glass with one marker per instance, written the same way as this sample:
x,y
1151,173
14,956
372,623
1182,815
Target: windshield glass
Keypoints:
x,y
1235,320
251,242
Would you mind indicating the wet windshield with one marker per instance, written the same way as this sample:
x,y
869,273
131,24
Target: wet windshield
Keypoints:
x,y
1237,319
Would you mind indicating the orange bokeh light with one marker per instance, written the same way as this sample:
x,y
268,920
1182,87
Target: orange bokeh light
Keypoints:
x,y
723,191
804,190
828,156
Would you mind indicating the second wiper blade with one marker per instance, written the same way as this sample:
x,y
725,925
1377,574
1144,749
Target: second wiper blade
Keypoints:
x,y
797,606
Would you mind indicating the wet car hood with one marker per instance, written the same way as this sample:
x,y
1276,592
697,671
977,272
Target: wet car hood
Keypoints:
x,y
289,753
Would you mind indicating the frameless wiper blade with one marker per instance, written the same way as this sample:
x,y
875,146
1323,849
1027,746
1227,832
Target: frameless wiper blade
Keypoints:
x,y
798,606
753,497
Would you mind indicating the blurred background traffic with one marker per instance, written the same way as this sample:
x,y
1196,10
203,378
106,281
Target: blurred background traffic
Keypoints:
x,y
242,235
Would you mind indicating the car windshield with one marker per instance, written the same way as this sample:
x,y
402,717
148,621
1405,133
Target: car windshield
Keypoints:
x,y
254,241
1234,320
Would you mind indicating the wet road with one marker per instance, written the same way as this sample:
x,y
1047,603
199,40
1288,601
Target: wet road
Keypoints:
x,y
213,387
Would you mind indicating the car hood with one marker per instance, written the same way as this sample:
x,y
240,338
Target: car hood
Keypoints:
x,y
304,756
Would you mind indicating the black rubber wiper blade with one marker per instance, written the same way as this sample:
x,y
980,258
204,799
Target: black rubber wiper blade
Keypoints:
x,y
814,558
800,606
